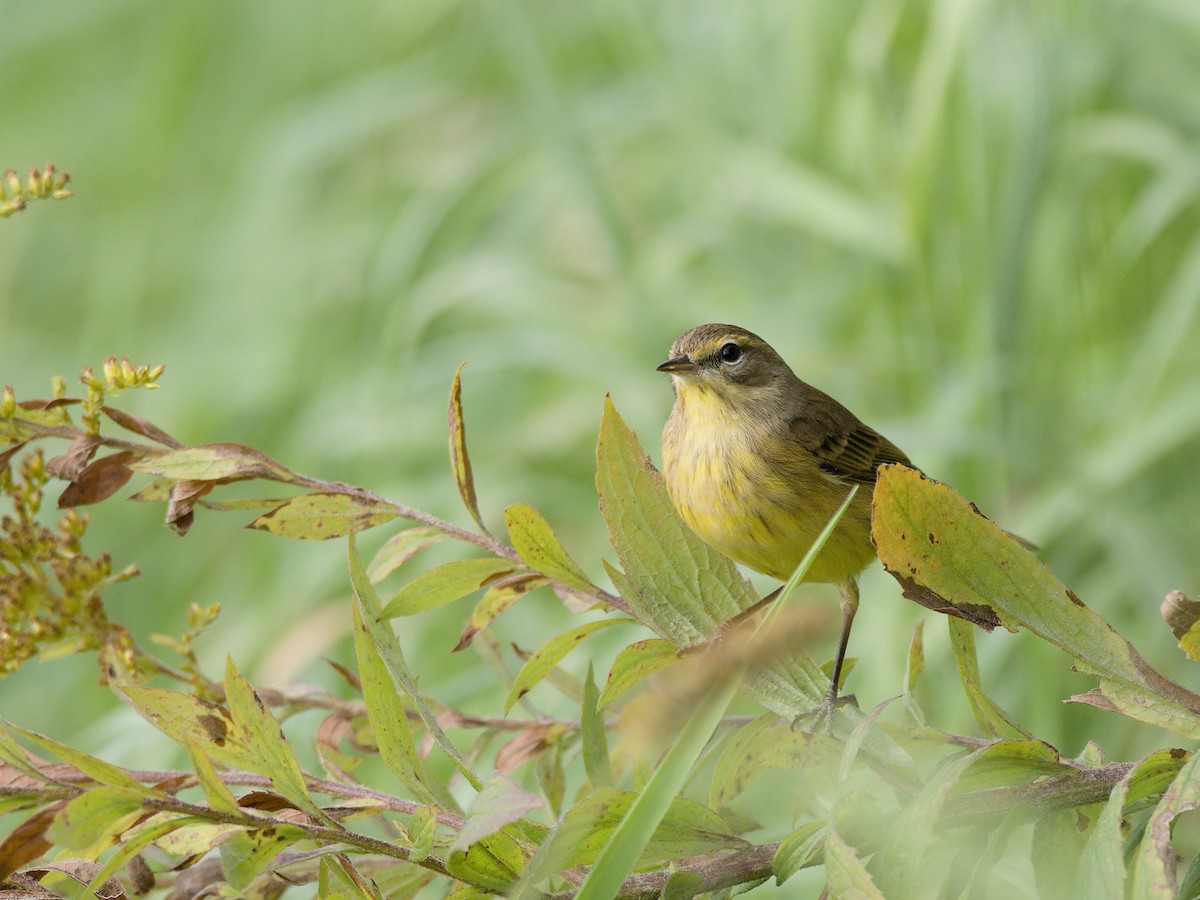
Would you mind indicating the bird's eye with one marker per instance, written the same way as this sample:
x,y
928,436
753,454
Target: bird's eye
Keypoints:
x,y
731,352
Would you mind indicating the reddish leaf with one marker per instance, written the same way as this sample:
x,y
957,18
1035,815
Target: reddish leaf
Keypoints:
x,y
49,404
138,425
26,842
8,454
459,460
529,743
99,481
70,464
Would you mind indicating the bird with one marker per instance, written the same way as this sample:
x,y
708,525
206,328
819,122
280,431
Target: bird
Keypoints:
x,y
756,462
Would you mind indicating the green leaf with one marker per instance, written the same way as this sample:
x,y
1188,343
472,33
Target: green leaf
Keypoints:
x,y
1005,763
799,850
494,862
245,854
321,516
900,863
214,462
384,640
196,838
265,739
445,584
1154,866
992,719
912,671
639,660
97,769
941,549
98,814
847,875
1057,843
767,742
460,462
189,720
677,584
687,829
549,654
388,716
539,547
219,797
495,600
400,548
500,802
594,735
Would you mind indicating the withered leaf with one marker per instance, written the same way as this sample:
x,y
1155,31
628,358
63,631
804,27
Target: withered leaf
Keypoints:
x,y
83,871
219,462
184,495
49,404
529,743
27,841
98,481
138,425
70,464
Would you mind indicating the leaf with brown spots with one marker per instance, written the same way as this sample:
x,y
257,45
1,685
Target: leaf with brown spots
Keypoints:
x,y
324,515
974,565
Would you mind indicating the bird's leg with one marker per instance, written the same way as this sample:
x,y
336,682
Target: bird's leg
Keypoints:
x,y
822,714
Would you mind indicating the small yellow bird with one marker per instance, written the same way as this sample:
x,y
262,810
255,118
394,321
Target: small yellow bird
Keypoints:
x,y
757,461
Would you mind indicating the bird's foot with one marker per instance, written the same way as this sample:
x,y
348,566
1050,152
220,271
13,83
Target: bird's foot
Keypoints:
x,y
820,717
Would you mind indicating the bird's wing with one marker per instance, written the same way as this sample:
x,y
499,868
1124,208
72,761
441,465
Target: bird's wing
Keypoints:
x,y
842,445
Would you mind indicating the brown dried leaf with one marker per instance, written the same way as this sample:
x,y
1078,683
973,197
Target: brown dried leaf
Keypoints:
x,y
12,451
70,464
1180,613
99,481
184,495
138,425
27,842
39,405
83,871
529,743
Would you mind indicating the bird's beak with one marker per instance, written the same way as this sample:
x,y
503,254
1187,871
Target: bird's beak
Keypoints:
x,y
677,364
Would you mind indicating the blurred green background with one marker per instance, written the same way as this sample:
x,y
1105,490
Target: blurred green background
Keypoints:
x,y
975,223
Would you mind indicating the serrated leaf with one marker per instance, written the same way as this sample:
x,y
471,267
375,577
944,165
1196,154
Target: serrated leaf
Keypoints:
x,y
214,462
939,546
97,814
400,548
445,584
847,875
500,802
677,584
384,640
539,547
460,461
687,829
550,654
1154,864
321,516
798,850
639,660
991,718
266,741
388,716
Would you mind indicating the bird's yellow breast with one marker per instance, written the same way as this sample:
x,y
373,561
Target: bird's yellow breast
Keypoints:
x,y
747,489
